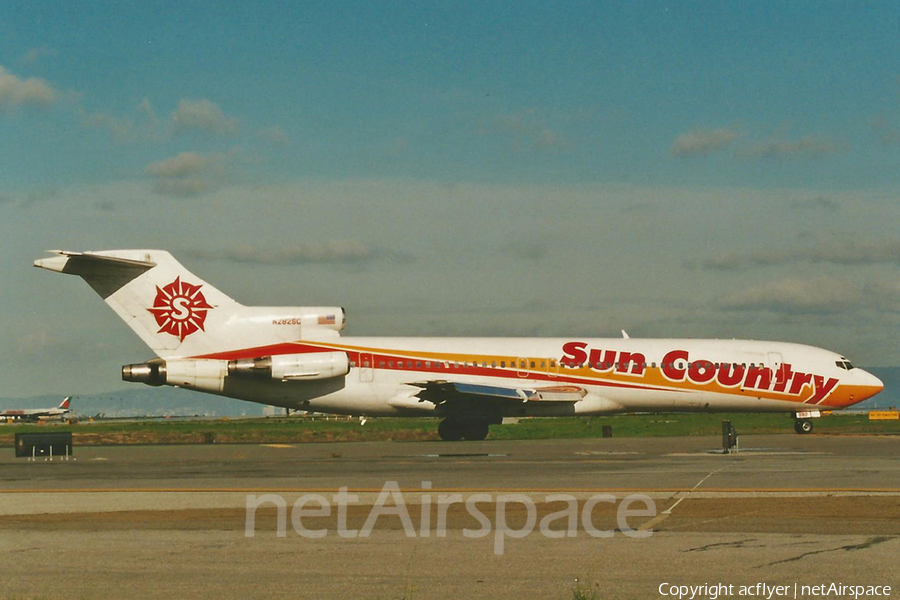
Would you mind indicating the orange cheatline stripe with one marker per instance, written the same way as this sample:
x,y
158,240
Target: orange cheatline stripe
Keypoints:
x,y
581,378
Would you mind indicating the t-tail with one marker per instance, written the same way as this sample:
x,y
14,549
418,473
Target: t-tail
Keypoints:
x,y
179,315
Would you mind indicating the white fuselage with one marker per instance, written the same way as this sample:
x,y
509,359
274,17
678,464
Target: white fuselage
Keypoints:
x,y
619,375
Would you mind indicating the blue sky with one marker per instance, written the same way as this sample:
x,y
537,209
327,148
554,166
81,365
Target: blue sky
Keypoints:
x,y
676,169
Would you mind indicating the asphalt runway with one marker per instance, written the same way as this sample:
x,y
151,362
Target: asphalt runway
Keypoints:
x,y
172,521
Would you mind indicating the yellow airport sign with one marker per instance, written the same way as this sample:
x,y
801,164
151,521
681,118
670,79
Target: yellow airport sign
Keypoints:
x,y
884,415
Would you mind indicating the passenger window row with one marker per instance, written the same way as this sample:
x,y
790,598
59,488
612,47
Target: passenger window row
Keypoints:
x,y
437,364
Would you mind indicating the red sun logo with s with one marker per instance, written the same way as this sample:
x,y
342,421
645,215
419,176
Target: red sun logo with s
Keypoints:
x,y
180,309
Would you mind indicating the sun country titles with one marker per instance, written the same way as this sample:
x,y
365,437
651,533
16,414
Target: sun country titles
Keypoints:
x,y
678,366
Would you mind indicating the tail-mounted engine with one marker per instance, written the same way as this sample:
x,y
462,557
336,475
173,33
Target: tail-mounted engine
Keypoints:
x,y
152,372
292,367
209,375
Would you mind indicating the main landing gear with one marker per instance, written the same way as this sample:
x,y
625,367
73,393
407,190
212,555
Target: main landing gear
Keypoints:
x,y
453,430
803,425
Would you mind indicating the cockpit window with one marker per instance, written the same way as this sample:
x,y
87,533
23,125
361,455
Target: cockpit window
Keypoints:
x,y
844,364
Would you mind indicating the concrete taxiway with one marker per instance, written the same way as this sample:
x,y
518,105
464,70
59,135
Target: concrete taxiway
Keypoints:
x,y
169,521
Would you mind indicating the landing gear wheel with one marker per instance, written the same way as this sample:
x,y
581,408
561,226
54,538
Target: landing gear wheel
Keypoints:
x,y
803,426
476,430
450,430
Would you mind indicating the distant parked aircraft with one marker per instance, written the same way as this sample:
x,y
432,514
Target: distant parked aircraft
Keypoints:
x,y
37,414
296,359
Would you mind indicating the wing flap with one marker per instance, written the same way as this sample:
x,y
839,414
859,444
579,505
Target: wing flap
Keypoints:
x,y
443,391
491,391
564,393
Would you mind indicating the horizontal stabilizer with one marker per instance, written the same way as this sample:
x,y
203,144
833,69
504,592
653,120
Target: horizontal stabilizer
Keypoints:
x,y
105,274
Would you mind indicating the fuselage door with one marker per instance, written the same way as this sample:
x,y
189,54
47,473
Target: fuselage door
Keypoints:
x,y
522,367
366,367
552,367
775,360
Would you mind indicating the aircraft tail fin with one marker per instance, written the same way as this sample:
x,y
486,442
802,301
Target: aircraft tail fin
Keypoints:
x,y
65,403
164,303
178,314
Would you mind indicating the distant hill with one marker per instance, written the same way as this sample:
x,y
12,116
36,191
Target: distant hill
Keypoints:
x,y
144,401
167,401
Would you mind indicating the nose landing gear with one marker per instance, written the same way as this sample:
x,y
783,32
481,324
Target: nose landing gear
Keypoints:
x,y
803,425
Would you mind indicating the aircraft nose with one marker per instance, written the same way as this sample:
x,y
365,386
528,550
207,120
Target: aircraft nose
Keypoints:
x,y
872,384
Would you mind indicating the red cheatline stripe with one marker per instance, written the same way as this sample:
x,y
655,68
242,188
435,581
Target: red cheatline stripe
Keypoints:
x,y
377,354
512,373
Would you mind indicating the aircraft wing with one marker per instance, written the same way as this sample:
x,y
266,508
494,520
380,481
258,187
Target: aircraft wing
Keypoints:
x,y
448,393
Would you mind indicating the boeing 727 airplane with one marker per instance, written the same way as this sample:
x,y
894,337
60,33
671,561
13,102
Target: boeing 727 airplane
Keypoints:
x,y
295,358
37,414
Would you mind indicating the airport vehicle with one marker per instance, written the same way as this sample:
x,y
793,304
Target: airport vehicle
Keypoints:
x,y
295,358
37,414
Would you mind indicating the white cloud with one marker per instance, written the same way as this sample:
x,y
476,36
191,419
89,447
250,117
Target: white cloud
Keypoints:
x,y
702,142
144,124
332,251
780,148
145,108
203,116
188,174
529,131
35,342
822,295
884,295
274,135
886,131
35,54
185,164
549,138
816,203
518,122
834,252
121,129
529,250
15,91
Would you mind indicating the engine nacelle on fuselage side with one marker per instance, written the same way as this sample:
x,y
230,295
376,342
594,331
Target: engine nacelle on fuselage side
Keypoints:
x,y
292,367
209,375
